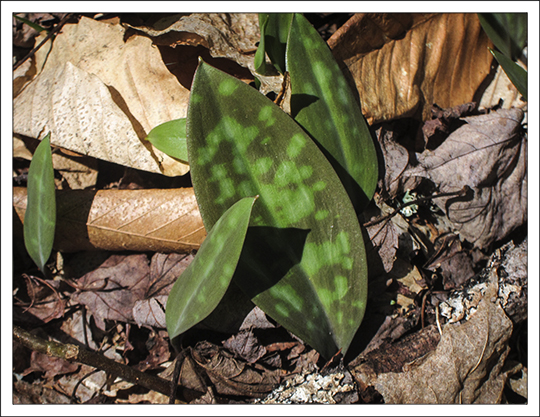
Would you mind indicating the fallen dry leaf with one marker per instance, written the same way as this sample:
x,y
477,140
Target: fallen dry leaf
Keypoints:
x,y
466,366
100,96
489,155
112,291
140,220
402,64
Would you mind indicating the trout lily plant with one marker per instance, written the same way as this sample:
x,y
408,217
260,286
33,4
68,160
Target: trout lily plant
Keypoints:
x,y
279,193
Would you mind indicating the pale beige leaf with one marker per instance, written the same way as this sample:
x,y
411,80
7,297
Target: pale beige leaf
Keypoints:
x,y
402,64
138,80
138,220
78,110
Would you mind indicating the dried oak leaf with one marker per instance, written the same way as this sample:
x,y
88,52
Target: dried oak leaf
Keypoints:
x,y
402,64
151,220
489,155
112,291
466,367
100,96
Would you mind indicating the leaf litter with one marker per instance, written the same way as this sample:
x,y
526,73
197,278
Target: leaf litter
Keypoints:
x,y
407,168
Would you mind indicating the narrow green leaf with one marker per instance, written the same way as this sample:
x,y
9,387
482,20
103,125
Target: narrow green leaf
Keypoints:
x,y
303,261
274,29
33,25
170,138
324,105
40,216
507,31
202,285
517,74
259,62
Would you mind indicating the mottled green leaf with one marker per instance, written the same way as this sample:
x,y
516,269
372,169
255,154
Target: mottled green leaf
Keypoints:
x,y
274,28
40,216
507,31
303,261
324,105
170,138
515,73
198,291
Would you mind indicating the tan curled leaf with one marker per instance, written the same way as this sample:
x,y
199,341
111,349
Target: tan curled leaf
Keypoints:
x,y
226,35
489,155
402,64
138,83
466,367
139,220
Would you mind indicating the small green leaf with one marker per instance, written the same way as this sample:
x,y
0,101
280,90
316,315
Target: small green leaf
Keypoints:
x,y
259,62
40,216
170,138
199,289
324,105
515,73
303,261
507,31
33,25
274,29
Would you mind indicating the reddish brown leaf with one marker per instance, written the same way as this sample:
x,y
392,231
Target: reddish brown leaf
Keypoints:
x,y
402,64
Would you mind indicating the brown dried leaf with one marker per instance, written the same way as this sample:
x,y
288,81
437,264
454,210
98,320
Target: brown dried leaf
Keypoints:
x,y
232,377
112,291
141,220
489,155
402,64
466,366
101,96
52,366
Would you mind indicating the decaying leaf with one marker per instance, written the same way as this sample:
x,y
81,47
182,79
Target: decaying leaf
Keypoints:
x,y
402,64
112,291
101,95
165,220
489,155
466,366
232,377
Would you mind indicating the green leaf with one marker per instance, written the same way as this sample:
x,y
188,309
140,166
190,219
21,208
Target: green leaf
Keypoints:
x,y
303,261
515,73
324,105
40,216
274,29
507,31
197,292
33,25
259,62
170,138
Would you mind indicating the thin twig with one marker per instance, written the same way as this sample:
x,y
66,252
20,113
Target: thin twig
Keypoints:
x,y
49,36
420,200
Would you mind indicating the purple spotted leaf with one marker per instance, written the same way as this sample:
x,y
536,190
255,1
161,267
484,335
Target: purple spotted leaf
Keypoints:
x,y
303,261
324,105
198,291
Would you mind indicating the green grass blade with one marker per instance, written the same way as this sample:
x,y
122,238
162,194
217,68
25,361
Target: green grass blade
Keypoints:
x,y
274,29
197,292
170,138
33,25
303,261
507,31
515,73
40,216
324,105
259,62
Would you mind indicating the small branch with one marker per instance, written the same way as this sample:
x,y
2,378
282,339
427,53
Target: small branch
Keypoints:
x,y
49,36
74,353
421,200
